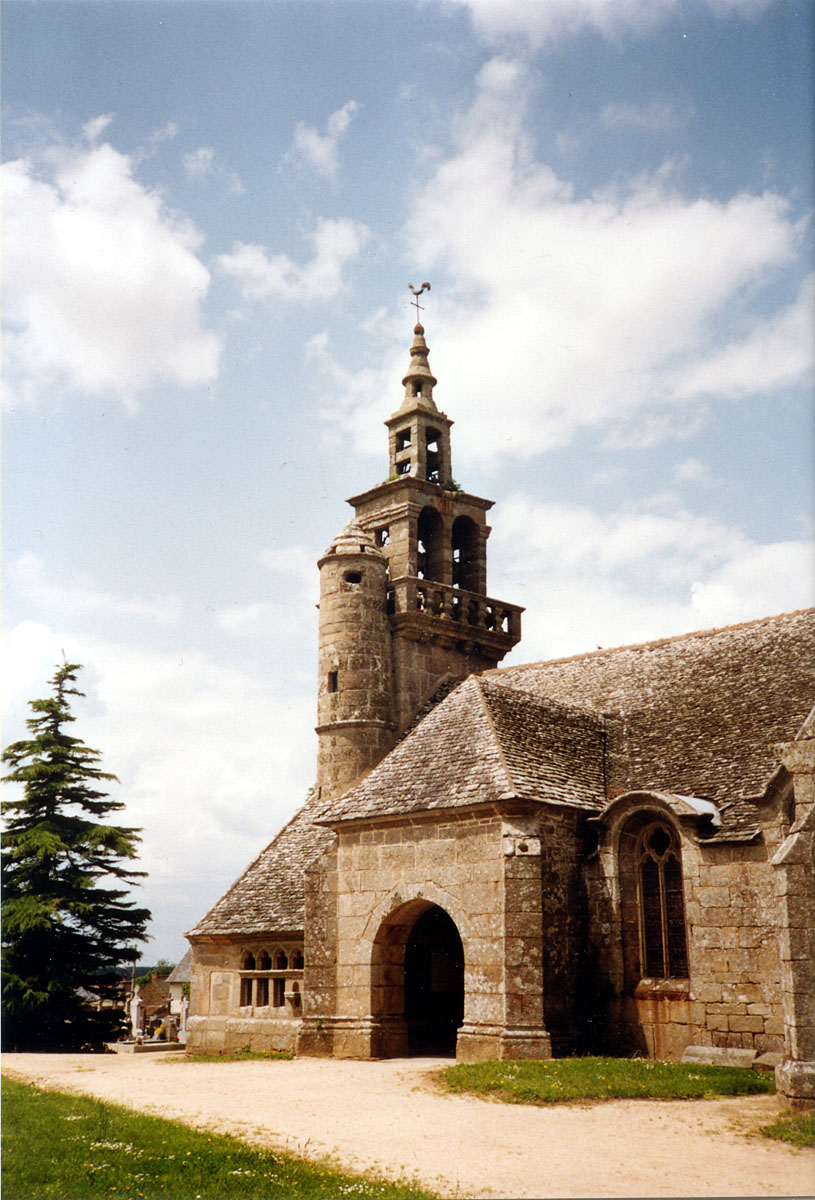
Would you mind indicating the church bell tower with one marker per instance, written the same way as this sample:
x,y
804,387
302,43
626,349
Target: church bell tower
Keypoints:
x,y
416,611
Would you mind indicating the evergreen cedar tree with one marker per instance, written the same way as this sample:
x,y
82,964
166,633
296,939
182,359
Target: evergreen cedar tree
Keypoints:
x,y
67,920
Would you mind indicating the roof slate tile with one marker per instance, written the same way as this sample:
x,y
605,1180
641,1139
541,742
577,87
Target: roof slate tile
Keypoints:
x,y
696,715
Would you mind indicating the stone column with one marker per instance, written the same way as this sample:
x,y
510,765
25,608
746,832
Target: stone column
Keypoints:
x,y
794,862
524,1034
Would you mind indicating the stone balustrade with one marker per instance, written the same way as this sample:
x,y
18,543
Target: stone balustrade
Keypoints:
x,y
409,595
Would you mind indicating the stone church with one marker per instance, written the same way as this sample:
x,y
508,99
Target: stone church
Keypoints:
x,y
613,852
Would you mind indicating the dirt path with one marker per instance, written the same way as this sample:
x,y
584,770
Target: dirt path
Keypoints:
x,y
390,1117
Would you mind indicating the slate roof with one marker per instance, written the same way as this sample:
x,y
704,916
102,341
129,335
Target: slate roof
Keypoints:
x,y
481,744
697,714
269,897
181,971
441,693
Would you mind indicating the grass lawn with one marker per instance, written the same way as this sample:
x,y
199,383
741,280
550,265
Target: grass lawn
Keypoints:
x,y
60,1147
797,1128
559,1080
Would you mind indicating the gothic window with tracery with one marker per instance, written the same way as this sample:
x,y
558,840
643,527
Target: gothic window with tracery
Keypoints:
x,y
663,945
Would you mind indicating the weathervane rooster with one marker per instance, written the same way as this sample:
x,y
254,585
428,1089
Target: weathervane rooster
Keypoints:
x,y
417,293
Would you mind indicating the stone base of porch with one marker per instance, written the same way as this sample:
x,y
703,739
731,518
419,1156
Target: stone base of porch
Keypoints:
x,y
353,1037
795,1081
476,1043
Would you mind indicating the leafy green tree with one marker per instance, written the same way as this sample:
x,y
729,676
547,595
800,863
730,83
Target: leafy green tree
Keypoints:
x,y
68,920
161,970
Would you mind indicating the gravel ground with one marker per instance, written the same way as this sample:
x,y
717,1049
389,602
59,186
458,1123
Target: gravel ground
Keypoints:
x,y
390,1117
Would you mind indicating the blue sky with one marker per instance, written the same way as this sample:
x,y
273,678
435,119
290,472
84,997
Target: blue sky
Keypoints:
x,y
212,213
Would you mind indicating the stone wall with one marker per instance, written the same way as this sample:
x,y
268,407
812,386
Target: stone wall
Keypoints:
x,y
731,911
355,690
388,874
316,1036
731,998
794,867
421,664
218,1022
565,979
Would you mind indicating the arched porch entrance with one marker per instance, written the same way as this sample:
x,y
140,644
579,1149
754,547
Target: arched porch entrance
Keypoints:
x,y
418,980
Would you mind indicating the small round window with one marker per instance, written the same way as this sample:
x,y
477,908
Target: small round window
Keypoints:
x,y
353,578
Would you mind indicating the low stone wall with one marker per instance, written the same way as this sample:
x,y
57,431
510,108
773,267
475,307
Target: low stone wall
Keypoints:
x,y
227,1035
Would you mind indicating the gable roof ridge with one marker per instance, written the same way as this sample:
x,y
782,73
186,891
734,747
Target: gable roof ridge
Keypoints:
x,y
453,751
511,786
433,700
541,698
665,641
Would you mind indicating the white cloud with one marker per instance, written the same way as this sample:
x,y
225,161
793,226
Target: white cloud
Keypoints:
x,y
291,614
319,150
618,578
260,275
94,129
691,470
660,114
539,21
777,352
207,756
244,620
763,579
165,134
26,574
597,310
103,285
296,563
201,166
199,163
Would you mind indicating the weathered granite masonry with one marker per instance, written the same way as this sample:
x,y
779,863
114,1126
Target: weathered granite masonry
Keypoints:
x,y
403,593
794,864
245,994
355,688
730,996
486,875
610,852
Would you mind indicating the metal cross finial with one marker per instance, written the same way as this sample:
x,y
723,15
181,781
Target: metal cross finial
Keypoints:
x,y
416,294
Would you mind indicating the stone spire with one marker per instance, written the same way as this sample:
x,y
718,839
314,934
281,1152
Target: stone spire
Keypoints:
x,y
419,381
